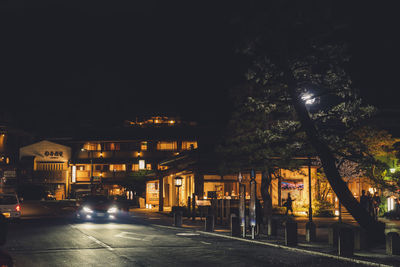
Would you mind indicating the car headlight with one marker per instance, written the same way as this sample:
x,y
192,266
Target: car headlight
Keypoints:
x,y
87,209
112,210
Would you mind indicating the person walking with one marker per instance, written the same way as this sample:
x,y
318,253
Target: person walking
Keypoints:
x,y
289,204
376,201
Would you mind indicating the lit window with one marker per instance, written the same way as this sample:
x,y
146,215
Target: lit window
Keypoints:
x,y
189,145
117,167
143,146
92,146
148,166
135,167
161,168
166,145
142,164
111,146
73,174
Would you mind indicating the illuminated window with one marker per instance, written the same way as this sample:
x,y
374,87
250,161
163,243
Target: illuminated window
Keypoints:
x,y
73,174
135,167
117,167
166,145
142,164
92,146
161,168
111,146
148,166
188,145
143,146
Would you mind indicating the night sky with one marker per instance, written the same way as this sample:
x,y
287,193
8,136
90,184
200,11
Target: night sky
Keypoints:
x,y
64,63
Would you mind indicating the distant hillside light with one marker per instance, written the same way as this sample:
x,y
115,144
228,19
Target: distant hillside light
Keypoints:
x,y
308,98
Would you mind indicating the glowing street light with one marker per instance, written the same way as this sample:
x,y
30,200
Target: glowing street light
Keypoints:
x,y
308,98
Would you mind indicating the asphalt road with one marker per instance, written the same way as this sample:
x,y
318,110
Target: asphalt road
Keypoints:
x,y
138,242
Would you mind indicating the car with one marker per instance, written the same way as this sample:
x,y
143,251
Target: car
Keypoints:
x,y
10,207
97,207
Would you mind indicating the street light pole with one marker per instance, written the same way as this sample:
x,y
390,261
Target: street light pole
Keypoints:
x,y
311,233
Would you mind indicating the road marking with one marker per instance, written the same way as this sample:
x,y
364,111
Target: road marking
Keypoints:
x,y
187,234
127,236
93,238
100,243
206,243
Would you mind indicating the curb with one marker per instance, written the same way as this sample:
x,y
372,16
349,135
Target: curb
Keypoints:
x,y
315,253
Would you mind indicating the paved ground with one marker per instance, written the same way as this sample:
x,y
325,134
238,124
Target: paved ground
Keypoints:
x,y
138,242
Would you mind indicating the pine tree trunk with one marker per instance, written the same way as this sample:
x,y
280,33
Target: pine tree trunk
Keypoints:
x,y
340,188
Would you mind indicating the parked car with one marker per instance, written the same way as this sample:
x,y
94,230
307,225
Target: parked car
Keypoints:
x,y
97,207
10,207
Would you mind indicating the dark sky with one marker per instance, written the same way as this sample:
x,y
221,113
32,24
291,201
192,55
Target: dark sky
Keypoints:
x,y
63,62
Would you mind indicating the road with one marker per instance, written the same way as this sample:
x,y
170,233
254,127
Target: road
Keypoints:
x,y
138,242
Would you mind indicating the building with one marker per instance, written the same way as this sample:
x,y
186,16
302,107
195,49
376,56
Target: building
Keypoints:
x,y
46,164
11,139
115,161
202,179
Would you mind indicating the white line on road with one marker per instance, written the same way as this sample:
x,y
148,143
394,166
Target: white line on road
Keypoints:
x,y
127,236
93,239
206,243
100,243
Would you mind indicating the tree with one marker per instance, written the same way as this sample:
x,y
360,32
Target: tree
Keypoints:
x,y
298,58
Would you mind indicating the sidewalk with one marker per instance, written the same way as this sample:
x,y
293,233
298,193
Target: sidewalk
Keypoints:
x,y
374,256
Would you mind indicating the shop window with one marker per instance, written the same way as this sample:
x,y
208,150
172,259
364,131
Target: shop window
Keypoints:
x,y
148,167
189,145
143,146
162,145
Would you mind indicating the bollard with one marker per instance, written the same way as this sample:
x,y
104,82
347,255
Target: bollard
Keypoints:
x,y
360,239
235,225
290,233
178,218
333,234
209,224
392,243
345,241
311,232
272,227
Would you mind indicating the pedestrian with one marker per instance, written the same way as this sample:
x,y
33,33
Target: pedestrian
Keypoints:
x,y
289,204
370,208
364,200
376,201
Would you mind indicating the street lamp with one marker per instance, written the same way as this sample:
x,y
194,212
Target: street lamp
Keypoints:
x,y
309,99
178,183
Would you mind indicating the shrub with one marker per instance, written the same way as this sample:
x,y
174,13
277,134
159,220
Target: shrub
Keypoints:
x,y
322,208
